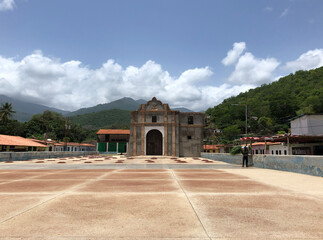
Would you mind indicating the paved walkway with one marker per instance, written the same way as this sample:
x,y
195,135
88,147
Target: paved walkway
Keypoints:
x,y
222,202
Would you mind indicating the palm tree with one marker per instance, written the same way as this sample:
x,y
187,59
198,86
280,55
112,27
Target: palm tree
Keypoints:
x,y
6,112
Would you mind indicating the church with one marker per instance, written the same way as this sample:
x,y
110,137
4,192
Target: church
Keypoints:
x,y
155,129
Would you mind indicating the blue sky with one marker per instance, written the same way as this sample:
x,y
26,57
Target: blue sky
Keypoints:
x,y
59,53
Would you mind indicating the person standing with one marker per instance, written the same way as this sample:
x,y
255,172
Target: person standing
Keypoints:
x,y
245,153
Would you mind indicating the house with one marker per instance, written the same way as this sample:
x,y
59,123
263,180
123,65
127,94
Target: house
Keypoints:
x,y
273,148
19,144
76,147
217,148
53,146
113,140
155,129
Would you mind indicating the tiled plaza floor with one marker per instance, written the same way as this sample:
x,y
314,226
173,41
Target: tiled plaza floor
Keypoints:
x,y
222,202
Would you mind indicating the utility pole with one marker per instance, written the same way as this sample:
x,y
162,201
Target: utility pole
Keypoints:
x,y
246,119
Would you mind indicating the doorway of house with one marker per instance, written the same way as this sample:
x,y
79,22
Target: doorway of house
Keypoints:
x,y
154,142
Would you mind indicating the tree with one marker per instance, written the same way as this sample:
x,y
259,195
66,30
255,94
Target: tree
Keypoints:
x,y
231,132
6,112
265,125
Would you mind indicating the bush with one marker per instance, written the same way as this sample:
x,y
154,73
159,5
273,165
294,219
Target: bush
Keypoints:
x,y
236,150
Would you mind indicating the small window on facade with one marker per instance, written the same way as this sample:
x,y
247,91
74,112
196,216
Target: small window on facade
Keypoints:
x,y
189,137
256,151
276,152
285,152
280,152
34,149
190,120
154,119
272,152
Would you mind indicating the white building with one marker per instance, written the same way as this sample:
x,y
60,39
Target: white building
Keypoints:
x,y
307,125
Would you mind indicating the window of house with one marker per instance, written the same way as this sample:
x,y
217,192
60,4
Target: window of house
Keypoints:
x,y
276,152
34,148
256,151
11,148
285,152
280,152
190,120
154,119
3,148
30,148
272,152
189,137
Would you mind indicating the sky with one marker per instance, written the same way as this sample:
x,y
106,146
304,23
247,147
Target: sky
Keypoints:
x,y
188,53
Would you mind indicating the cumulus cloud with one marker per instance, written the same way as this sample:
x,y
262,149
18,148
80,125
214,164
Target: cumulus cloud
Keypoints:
x,y
253,71
71,85
309,60
7,5
234,54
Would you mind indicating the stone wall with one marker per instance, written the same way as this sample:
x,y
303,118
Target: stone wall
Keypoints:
x,y
312,165
18,156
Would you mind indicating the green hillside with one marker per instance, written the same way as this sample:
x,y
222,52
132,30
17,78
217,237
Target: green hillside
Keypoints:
x,y
125,103
114,118
271,105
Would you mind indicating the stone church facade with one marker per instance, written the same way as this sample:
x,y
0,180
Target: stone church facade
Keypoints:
x,y
155,129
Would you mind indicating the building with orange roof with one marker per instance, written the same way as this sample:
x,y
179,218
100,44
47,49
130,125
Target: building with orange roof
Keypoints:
x,y
113,140
54,146
217,148
10,143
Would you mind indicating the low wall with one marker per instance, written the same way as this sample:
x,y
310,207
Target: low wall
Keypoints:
x,y
18,156
312,165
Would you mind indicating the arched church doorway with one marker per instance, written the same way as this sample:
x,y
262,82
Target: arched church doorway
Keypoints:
x,y
154,142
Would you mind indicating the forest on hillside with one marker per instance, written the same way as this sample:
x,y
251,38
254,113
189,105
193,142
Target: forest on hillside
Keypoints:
x,y
109,119
48,125
53,125
270,106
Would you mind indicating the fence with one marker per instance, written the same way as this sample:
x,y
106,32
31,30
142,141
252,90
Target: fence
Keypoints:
x,y
308,164
18,156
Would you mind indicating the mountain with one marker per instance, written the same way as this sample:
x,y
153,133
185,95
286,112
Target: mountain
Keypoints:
x,y
271,105
25,110
182,109
125,103
113,118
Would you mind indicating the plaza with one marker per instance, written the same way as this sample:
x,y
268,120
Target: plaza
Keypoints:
x,y
155,197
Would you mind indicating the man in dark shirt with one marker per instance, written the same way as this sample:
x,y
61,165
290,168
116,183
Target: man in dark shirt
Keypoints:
x,y
245,153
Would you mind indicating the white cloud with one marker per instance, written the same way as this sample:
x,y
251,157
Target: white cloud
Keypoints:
x,y
309,60
254,71
268,9
70,85
234,54
7,5
284,13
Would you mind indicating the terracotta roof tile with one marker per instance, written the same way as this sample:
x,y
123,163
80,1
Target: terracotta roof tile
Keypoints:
x,y
18,141
208,147
267,143
114,131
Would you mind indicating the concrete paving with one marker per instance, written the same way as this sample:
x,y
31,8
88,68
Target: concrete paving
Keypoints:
x,y
222,201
